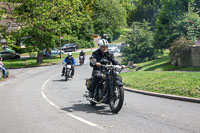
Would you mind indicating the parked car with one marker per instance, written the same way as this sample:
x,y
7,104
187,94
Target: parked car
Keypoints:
x,y
69,47
9,55
112,48
122,46
54,52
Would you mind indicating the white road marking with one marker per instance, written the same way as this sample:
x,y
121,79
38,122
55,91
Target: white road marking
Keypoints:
x,y
71,115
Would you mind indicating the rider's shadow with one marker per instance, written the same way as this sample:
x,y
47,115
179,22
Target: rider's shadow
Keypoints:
x,y
102,109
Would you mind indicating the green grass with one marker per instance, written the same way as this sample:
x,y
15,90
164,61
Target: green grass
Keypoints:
x,y
160,76
176,83
162,63
31,62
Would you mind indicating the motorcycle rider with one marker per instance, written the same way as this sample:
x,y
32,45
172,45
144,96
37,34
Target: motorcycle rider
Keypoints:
x,y
69,60
100,56
82,54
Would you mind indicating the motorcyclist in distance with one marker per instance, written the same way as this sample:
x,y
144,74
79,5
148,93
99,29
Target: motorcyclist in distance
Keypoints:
x,y
69,60
100,56
82,54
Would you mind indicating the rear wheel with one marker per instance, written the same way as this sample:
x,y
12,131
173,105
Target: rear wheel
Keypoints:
x,y
116,102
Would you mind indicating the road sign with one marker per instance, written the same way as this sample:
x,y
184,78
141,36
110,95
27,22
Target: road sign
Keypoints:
x,y
61,37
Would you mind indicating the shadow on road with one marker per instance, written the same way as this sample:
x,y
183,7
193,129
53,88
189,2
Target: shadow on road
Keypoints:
x,y
59,80
101,110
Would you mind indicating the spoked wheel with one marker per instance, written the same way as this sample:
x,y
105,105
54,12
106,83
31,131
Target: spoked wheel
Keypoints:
x,y
116,102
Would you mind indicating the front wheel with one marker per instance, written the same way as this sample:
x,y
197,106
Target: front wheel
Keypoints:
x,y
116,102
92,103
66,75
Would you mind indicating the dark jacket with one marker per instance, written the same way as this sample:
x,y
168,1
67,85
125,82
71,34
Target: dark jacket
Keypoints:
x,y
105,59
82,54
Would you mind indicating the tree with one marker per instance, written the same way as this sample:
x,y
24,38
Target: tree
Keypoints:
x,y
129,5
108,17
196,5
139,42
44,21
187,25
170,11
145,10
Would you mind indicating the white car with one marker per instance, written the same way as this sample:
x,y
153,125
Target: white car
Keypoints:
x,y
56,51
112,48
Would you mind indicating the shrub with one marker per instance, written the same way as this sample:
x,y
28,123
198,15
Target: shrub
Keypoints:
x,y
139,42
187,25
180,49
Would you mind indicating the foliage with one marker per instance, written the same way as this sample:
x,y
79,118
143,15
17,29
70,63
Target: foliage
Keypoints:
x,y
187,25
145,10
168,14
180,49
129,6
108,17
140,43
196,6
44,20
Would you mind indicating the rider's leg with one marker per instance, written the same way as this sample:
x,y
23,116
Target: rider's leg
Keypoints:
x,y
96,77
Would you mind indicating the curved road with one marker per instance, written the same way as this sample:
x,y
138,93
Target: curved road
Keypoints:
x,y
38,100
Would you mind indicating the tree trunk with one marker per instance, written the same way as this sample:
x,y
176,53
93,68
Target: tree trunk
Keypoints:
x,y
39,58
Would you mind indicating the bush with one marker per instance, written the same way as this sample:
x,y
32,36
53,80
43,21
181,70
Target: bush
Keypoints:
x,y
180,49
85,44
139,42
80,42
187,25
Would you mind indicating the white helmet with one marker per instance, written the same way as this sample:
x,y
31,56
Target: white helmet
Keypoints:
x,y
102,42
69,54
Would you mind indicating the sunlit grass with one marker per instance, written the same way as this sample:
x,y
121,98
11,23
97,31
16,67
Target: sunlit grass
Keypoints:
x,y
31,62
160,76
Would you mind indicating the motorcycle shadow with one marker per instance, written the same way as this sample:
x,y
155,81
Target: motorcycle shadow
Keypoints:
x,y
59,80
87,108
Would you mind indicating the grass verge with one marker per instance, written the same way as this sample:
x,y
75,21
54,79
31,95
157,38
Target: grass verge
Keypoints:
x,y
31,62
160,76
176,83
162,63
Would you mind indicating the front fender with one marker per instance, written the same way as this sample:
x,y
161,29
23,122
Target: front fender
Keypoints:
x,y
119,83
118,80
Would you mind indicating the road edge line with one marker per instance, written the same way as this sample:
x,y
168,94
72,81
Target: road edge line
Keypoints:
x,y
71,115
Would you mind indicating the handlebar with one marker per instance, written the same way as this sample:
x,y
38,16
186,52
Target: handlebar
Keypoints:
x,y
111,66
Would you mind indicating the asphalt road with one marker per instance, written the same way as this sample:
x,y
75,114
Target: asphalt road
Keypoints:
x,y
38,100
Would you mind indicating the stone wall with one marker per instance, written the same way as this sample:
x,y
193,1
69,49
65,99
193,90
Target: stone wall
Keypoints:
x,y
192,58
195,55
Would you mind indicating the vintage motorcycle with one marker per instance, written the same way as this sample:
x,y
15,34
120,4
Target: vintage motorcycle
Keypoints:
x,y
109,90
81,60
68,71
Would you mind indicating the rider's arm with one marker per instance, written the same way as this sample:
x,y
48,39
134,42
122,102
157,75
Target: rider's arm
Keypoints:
x,y
74,62
93,60
65,60
113,60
